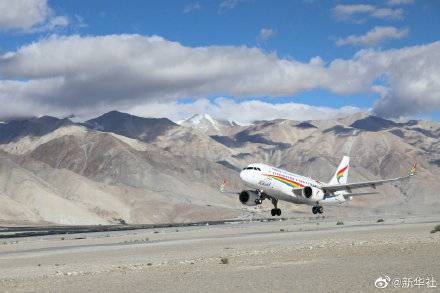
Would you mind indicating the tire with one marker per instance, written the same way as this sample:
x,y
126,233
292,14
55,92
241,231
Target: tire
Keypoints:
x,y
272,212
314,210
278,212
320,210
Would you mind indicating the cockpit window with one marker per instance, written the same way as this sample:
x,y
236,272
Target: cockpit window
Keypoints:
x,y
252,168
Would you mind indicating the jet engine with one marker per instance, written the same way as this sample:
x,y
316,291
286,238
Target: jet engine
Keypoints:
x,y
249,198
312,193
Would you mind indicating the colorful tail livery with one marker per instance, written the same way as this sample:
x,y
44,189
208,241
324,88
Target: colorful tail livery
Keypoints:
x,y
341,174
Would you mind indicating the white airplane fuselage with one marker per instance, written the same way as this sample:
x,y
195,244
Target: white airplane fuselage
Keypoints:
x,y
286,186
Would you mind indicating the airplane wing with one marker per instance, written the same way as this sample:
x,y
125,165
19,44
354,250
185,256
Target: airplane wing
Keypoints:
x,y
348,195
373,184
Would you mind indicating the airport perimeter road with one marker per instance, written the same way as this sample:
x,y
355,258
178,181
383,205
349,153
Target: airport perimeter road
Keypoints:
x,y
288,256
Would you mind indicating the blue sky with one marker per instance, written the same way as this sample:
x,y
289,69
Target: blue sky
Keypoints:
x,y
304,29
295,30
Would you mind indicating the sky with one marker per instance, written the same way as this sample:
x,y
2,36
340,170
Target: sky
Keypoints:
x,y
239,60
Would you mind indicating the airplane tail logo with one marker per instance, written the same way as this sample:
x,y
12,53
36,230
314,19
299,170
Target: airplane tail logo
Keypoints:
x,y
341,174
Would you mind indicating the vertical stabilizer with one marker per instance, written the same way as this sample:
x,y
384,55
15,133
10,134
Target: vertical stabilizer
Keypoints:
x,y
341,174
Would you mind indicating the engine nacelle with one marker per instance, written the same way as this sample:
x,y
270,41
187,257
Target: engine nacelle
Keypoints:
x,y
249,198
312,193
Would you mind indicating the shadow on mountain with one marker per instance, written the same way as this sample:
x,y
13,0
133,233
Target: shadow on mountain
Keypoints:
x,y
339,129
243,137
425,132
305,125
227,141
241,155
145,129
398,133
228,165
15,129
374,123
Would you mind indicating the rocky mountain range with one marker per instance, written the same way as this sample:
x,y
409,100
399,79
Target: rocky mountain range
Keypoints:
x,y
122,168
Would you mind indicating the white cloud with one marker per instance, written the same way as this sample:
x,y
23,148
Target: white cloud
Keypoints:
x,y
193,6
399,2
377,35
52,24
82,70
29,16
265,34
88,75
357,12
244,111
80,21
410,77
226,5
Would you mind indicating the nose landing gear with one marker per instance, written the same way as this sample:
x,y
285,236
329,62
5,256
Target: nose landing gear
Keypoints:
x,y
317,210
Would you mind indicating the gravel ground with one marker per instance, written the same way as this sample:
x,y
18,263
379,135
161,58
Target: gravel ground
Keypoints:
x,y
286,256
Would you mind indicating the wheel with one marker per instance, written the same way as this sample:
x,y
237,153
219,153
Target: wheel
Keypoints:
x,y
272,212
320,210
278,212
314,210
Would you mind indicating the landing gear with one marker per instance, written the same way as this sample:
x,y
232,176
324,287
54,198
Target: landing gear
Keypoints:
x,y
276,211
317,209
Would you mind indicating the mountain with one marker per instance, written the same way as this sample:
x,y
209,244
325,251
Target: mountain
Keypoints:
x,y
15,129
144,170
207,124
145,129
109,177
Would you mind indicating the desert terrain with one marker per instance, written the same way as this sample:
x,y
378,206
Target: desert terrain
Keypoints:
x,y
301,254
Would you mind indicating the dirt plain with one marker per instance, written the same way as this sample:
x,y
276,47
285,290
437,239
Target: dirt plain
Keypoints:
x,y
294,255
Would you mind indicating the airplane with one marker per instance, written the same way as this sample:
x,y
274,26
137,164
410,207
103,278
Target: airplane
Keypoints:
x,y
275,184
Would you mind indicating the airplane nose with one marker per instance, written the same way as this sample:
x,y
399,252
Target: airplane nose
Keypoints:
x,y
242,175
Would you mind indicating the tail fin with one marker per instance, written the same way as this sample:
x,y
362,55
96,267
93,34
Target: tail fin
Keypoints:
x,y
341,174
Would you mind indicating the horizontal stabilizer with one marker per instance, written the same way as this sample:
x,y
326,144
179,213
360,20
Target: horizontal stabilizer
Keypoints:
x,y
222,188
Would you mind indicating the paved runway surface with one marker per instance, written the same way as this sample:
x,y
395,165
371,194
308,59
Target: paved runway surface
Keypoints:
x,y
297,255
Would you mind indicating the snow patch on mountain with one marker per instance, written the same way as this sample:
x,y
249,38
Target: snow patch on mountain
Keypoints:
x,y
206,123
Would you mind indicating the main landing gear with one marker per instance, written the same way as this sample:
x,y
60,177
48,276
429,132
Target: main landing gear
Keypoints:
x,y
276,211
317,209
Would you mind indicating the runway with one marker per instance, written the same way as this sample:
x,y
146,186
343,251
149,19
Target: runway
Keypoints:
x,y
295,255
27,231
